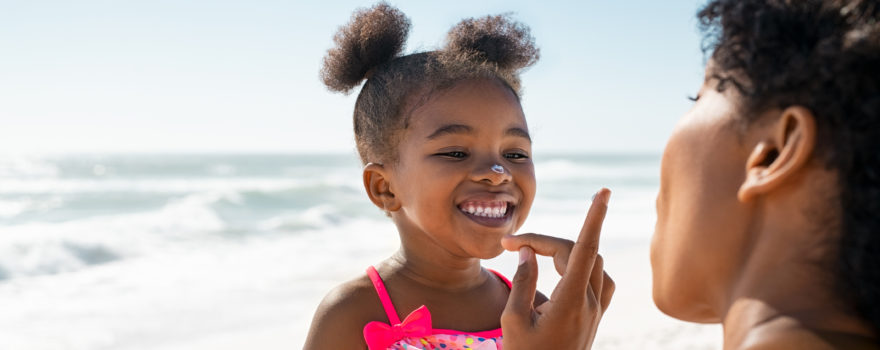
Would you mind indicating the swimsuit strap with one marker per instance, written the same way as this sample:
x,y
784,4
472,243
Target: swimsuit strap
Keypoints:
x,y
383,295
507,281
386,300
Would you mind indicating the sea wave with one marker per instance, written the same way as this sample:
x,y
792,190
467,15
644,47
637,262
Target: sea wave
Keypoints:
x,y
313,218
68,214
174,165
174,185
41,248
26,167
62,200
566,169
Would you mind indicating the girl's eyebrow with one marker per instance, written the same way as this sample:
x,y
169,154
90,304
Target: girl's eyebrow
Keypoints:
x,y
451,129
519,132
464,129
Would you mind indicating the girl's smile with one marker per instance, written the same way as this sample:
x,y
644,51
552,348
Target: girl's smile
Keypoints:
x,y
492,213
464,177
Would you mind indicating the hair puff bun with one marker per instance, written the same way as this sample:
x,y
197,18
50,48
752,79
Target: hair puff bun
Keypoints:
x,y
495,39
372,37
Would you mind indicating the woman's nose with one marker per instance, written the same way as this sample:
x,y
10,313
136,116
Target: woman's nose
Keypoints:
x,y
492,173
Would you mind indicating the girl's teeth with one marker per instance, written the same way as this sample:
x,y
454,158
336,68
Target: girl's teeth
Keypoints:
x,y
493,212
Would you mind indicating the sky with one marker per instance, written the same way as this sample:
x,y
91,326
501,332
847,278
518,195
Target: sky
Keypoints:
x,y
215,76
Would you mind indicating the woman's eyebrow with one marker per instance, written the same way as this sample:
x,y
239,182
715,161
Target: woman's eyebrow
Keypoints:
x,y
451,129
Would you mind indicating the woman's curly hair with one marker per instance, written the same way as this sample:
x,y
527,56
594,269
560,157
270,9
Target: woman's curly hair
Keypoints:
x,y
370,45
823,55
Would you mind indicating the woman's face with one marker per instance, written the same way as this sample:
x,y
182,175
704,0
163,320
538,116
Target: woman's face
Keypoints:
x,y
700,237
465,177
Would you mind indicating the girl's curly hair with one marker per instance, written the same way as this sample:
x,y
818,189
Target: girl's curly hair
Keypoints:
x,y
823,55
370,45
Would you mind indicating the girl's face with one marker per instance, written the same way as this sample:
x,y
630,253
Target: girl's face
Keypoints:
x,y
465,176
701,233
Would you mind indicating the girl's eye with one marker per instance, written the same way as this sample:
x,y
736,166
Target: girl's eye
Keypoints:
x,y
516,155
694,99
453,154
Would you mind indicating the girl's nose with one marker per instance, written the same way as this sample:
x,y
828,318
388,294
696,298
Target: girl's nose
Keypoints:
x,y
492,173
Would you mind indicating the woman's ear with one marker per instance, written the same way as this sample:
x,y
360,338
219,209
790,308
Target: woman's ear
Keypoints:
x,y
784,151
378,185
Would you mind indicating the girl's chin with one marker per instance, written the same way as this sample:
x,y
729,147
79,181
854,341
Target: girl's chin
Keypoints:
x,y
486,254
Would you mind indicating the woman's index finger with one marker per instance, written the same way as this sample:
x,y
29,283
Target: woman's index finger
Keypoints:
x,y
585,250
558,248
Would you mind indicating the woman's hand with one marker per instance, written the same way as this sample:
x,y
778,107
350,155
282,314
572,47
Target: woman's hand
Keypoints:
x,y
570,318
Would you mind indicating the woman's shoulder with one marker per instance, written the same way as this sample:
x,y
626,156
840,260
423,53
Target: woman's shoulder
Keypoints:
x,y
340,318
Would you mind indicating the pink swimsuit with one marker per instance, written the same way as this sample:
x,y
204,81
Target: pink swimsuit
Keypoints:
x,y
415,332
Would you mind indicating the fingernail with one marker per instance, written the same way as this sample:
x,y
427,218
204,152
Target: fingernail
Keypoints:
x,y
523,254
606,197
602,199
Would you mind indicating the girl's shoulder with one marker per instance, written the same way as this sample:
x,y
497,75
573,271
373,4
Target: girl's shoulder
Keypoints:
x,y
340,318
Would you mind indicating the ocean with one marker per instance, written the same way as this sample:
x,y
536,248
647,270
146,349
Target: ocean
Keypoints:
x,y
230,251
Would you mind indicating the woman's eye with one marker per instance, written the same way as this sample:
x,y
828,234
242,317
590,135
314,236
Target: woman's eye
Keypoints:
x,y
516,156
693,98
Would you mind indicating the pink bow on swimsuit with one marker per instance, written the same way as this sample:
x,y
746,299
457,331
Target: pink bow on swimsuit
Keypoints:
x,y
382,335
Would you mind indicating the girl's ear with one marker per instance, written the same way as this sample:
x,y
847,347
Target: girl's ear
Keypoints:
x,y
378,186
784,151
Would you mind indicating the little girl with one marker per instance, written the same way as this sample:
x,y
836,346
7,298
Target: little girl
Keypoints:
x,y
447,156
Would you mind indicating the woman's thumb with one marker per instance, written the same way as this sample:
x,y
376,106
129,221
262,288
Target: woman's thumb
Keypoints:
x,y
522,293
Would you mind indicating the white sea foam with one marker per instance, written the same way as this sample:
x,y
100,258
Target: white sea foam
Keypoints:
x,y
10,208
179,296
174,185
317,217
20,166
49,248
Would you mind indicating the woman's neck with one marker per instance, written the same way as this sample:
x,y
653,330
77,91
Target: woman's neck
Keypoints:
x,y
786,294
752,323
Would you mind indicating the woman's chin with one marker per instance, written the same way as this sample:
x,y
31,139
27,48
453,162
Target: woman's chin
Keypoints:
x,y
683,308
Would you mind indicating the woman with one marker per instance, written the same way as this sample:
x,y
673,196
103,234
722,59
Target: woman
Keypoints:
x,y
769,203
